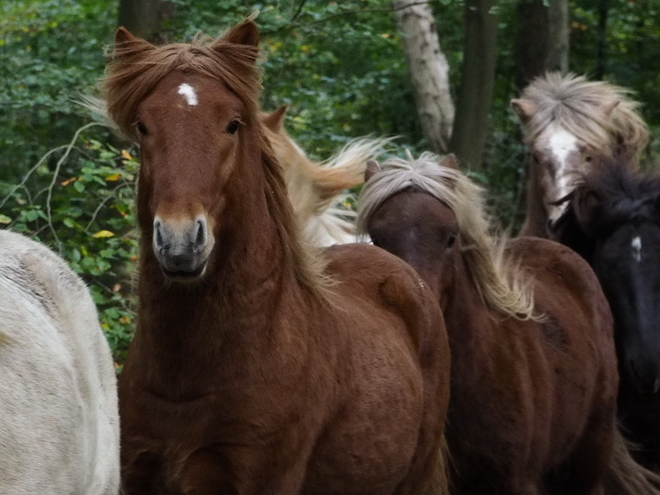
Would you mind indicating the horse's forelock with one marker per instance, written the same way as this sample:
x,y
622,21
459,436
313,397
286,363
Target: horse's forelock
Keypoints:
x,y
136,67
587,109
500,282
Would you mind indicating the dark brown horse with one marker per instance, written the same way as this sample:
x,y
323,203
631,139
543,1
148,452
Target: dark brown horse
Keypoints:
x,y
534,376
258,366
613,221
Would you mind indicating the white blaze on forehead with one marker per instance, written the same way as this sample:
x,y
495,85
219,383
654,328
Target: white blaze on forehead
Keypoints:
x,y
561,144
637,248
188,93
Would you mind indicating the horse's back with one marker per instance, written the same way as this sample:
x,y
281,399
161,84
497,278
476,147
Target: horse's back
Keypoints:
x,y
59,431
562,275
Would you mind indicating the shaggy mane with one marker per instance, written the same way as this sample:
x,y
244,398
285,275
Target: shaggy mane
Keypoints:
x,y
580,107
502,285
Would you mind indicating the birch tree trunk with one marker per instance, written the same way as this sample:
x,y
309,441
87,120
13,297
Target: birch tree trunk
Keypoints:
x,y
558,36
429,71
477,79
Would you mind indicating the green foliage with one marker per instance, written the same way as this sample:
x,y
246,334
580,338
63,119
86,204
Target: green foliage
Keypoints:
x,y
83,208
338,65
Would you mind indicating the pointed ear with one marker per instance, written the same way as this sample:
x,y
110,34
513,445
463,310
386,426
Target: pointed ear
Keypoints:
x,y
449,161
372,169
524,109
609,107
244,33
128,45
275,121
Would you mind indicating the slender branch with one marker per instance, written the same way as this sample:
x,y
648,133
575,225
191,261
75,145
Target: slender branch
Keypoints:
x,y
56,172
101,204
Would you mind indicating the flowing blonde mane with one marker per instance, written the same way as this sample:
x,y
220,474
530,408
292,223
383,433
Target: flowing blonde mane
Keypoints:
x,y
501,283
317,190
136,67
599,113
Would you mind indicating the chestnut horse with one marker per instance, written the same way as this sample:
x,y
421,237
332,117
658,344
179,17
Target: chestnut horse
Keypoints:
x,y
318,191
258,365
613,221
534,378
566,120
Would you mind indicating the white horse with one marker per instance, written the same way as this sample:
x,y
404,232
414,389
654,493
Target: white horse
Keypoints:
x,y
59,424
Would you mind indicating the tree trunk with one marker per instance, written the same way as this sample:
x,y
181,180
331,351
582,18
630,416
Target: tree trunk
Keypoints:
x,y
429,71
477,78
601,55
559,36
144,18
532,41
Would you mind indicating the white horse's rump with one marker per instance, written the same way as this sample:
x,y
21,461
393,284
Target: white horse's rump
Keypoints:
x,y
59,425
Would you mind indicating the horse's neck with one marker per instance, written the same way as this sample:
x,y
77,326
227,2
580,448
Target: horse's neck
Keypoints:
x,y
467,318
184,326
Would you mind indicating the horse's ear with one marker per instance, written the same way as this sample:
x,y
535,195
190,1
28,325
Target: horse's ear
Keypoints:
x,y
524,109
244,33
372,169
274,121
609,107
122,35
449,161
128,45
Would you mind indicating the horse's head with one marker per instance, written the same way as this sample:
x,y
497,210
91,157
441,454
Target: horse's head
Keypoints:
x,y
418,228
191,110
558,156
622,230
566,120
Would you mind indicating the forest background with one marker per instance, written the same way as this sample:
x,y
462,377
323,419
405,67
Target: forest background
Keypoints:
x,y
66,180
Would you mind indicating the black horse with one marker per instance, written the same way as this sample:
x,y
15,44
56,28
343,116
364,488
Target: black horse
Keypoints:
x,y
613,221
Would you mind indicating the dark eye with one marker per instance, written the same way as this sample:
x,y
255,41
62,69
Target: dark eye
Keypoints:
x,y
142,129
451,240
587,159
233,126
375,241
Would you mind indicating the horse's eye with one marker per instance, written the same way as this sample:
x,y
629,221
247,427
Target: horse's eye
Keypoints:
x,y
142,129
451,241
233,126
587,159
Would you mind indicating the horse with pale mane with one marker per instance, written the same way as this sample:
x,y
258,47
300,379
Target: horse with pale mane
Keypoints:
x,y
318,191
566,122
534,372
59,427
259,364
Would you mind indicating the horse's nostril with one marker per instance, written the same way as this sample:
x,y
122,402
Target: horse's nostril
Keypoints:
x,y
200,238
159,237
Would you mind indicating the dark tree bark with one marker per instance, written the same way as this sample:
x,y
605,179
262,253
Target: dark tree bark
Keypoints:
x,y
429,71
532,41
477,78
144,18
601,56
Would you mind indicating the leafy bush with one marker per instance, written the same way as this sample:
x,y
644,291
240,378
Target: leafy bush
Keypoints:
x,y
83,208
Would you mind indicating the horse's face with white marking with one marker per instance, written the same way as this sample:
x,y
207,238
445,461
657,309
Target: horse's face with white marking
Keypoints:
x,y
188,129
559,158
